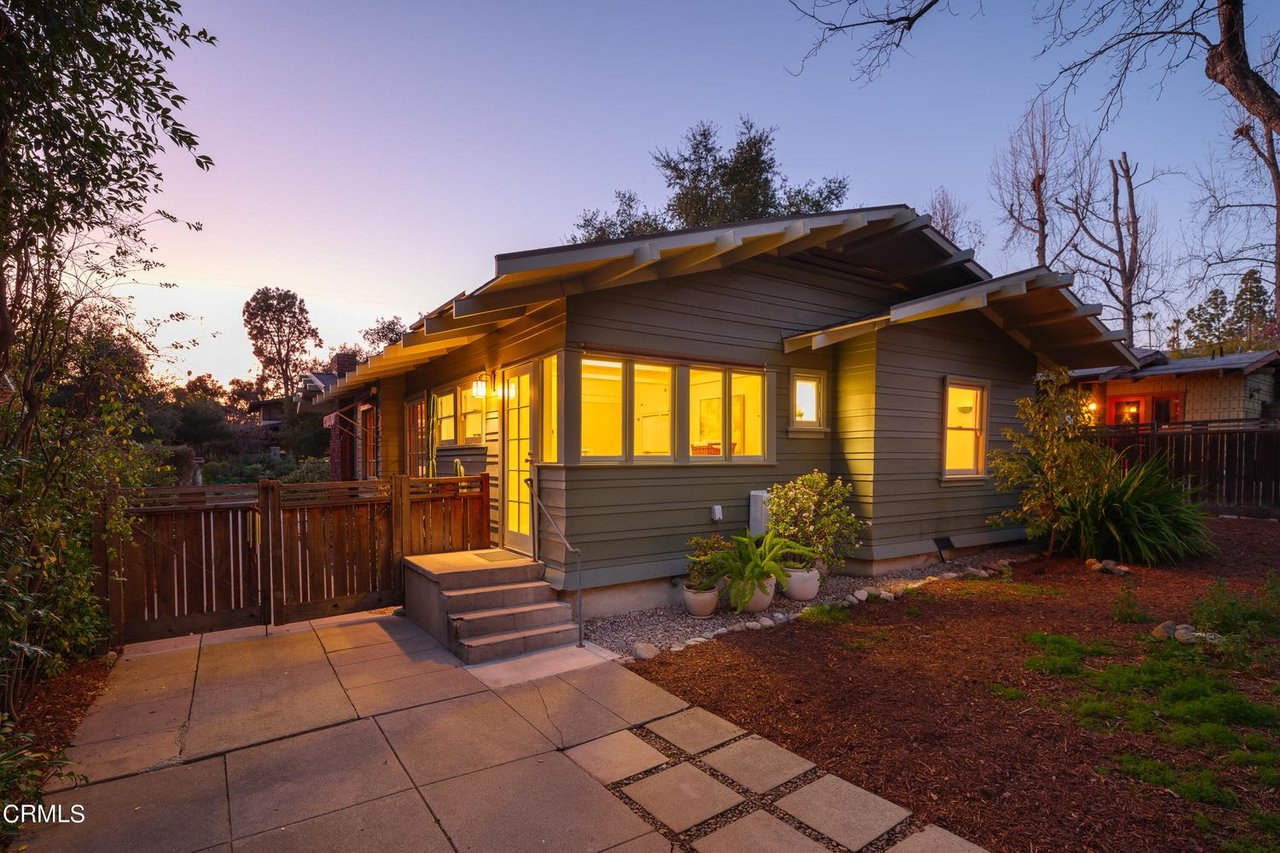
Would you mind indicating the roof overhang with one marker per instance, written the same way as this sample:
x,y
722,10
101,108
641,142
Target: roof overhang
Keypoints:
x,y
1035,307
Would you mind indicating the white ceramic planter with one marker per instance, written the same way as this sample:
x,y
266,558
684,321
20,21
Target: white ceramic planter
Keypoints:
x,y
761,600
701,605
802,586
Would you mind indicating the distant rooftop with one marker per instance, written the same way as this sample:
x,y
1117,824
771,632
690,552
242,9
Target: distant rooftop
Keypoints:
x,y
1160,363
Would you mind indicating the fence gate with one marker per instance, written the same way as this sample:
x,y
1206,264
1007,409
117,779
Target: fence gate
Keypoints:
x,y
211,557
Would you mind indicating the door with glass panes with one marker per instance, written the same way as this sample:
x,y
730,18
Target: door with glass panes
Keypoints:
x,y
517,448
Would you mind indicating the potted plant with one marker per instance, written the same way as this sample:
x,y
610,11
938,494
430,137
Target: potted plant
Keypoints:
x,y
701,590
753,567
813,511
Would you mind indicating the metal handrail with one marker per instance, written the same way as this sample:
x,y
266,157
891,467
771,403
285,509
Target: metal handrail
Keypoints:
x,y
577,554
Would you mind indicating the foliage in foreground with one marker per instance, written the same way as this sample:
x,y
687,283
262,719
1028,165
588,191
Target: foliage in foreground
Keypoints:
x,y
813,510
1142,515
751,561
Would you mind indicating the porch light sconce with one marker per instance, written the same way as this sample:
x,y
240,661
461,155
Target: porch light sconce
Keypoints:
x,y
480,387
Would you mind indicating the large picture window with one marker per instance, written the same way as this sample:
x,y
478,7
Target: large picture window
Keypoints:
x,y
602,406
706,413
746,408
965,439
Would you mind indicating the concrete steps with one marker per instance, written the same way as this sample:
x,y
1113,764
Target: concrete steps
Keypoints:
x,y
484,605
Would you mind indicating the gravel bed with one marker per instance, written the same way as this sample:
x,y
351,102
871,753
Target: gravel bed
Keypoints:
x,y
672,625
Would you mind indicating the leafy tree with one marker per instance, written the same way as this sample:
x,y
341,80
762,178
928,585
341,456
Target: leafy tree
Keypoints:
x,y
1251,312
813,510
1052,459
86,105
1240,324
1208,323
711,185
384,331
280,330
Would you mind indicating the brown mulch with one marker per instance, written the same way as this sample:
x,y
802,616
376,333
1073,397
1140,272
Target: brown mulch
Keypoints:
x,y
60,703
897,700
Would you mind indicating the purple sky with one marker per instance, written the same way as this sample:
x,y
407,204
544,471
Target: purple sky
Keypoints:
x,y
374,157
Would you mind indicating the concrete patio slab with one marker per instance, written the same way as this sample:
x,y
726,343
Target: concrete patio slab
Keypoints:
x,y
131,682
536,804
695,730
256,690
682,796
392,648
539,664
615,757
179,808
654,842
110,759
458,736
843,812
757,764
422,659
399,823
564,715
386,696
624,693
168,644
368,631
234,635
759,832
114,721
934,839
309,775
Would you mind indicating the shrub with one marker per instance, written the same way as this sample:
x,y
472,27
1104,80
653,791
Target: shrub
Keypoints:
x,y
700,572
1128,609
1142,515
750,561
1226,611
314,470
1053,457
813,510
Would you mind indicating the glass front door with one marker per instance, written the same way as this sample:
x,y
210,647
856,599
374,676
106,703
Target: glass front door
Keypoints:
x,y
517,505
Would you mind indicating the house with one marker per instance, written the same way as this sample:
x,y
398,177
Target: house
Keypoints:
x,y
1163,389
648,386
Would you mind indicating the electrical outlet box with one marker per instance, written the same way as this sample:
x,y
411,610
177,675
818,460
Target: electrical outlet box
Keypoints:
x,y
717,512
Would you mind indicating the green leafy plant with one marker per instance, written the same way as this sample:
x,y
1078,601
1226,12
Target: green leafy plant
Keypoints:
x,y
700,573
1142,515
824,614
1127,609
813,510
1051,460
1226,611
749,563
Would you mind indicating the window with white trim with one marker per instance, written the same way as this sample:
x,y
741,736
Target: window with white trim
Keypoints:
x,y
964,442
808,399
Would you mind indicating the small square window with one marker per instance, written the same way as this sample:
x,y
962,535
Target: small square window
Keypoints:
x,y
808,399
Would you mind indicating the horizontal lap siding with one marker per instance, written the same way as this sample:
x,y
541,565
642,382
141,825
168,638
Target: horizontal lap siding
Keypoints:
x,y
912,363
632,521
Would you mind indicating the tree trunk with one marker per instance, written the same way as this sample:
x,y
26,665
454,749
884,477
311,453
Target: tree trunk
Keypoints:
x,y
1227,64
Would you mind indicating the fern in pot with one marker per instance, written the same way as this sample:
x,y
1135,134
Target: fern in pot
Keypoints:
x,y
813,511
701,589
753,566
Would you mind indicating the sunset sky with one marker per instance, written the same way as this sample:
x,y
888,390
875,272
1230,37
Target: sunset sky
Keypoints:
x,y
375,157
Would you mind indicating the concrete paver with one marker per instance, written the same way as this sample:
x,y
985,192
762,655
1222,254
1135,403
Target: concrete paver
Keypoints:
x,y
563,714
108,759
624,693
843,812
682,796
256,690
539,664
401,664
370,630
695,730
934,839
458,736
178,808
536,804
615,757
309,775
758,764
134,718
759,832
385,696
654,842
398,647
399,823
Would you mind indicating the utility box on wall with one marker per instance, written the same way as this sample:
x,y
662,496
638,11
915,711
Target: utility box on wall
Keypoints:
x,y
758,512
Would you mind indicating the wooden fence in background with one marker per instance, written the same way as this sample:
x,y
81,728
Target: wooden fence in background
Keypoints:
x,y
205,558
1233,470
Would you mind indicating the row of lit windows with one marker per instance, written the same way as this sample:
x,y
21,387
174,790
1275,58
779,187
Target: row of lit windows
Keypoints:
x,y
629,412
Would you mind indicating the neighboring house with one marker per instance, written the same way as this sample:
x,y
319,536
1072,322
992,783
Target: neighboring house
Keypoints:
x,y
270,413
649,385
1168,390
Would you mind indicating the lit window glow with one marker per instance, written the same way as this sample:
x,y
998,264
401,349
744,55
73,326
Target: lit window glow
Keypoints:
x,y
651,411
601,409
964,430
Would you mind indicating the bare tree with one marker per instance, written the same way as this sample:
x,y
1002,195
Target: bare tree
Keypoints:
x,y
951,217
1026,179
1114,248
1240,196
1123,36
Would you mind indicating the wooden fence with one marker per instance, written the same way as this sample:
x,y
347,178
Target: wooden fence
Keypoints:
x,y
1231,469
210,557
